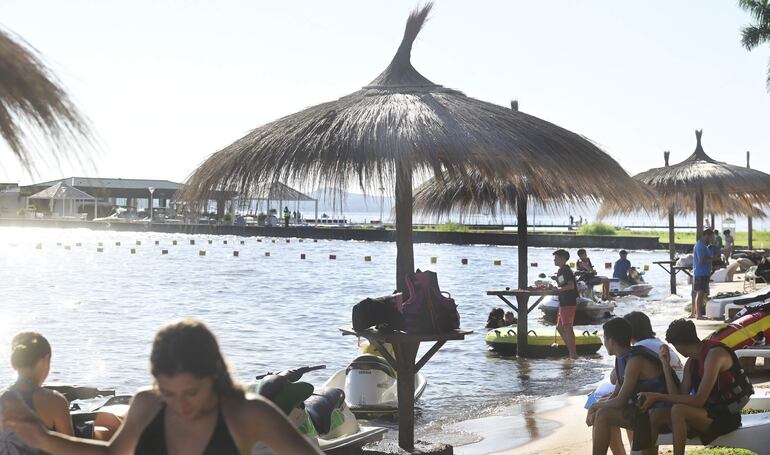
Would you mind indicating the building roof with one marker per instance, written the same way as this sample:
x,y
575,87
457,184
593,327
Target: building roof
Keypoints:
x,y
132,184
61,190
281,192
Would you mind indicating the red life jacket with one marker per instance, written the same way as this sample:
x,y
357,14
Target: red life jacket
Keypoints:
x,y
744,331
732,389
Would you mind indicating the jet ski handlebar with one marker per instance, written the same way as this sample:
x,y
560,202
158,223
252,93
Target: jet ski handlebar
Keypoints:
x,y
293,374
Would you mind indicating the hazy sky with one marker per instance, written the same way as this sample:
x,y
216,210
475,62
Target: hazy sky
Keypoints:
x,y
166,83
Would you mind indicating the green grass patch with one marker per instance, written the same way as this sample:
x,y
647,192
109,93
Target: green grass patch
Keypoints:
x,y
713,451
761,238
446,227
597,229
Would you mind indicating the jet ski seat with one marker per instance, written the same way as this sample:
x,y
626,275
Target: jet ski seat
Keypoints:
x,y
321,405
371,362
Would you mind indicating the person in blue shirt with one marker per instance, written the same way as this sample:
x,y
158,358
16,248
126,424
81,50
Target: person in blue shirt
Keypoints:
x,y
702,260
622,266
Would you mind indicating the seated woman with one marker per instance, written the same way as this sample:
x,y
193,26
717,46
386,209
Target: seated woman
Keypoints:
x,y
590,275
31,358
194,407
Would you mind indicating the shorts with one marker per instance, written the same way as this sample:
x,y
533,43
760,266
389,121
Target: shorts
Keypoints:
x,y
723,422
701,284
566,315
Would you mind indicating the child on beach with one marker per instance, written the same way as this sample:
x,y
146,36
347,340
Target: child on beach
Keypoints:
x,y
565,281
194,407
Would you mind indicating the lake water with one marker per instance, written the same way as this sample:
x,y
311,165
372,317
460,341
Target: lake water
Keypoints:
x,y
101,310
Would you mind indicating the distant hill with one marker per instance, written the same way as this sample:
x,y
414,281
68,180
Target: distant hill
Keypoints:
x,y
333,200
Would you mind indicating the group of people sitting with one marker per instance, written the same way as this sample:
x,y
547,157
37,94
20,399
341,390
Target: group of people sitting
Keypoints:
x,y
194,406
654,394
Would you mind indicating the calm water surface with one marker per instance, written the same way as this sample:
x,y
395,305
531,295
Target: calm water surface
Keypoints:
x,y
100,310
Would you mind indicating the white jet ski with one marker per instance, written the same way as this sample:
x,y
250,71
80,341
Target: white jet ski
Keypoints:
x,y
369,383
588,311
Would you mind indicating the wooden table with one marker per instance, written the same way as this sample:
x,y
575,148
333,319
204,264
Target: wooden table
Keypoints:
x,y
405,348
522,310
671,267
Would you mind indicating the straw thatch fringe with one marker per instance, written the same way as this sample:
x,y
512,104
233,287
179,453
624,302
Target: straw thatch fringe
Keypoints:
x,y
403,120
474,193
31,97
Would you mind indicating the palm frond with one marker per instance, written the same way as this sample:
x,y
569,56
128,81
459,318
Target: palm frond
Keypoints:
x,y
30,96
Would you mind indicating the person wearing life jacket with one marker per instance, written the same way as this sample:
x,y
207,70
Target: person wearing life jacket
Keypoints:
x,y
713,391
639,370
31,358
641,335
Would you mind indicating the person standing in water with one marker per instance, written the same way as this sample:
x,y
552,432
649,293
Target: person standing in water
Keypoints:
x,y
194,408
568,295
31,358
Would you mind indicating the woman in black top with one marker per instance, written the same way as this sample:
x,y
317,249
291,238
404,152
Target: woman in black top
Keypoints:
x,y
194,408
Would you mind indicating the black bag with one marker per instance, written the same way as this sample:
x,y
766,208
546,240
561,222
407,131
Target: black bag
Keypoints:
x,y
384,313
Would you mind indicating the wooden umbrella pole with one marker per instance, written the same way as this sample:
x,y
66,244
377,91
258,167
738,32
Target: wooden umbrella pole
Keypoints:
x,y
404,246
750,220
521,243
699,213
671,236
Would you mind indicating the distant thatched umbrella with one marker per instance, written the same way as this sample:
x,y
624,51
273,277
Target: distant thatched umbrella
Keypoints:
x,y
399,125
697,182
30,96
701,182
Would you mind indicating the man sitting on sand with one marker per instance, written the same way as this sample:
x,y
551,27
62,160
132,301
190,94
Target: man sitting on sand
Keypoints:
x,y
590,275
721,386
568,295
638,369
622,266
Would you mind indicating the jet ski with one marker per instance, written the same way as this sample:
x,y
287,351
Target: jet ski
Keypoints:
x,y
633,285
369,383
323,415
588,311
96,413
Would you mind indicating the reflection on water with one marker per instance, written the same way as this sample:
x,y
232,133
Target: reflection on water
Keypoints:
x,y
100,310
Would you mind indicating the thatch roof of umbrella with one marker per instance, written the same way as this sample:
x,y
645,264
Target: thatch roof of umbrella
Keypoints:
x,y
31,96
399,125
400,119
701,172
725,188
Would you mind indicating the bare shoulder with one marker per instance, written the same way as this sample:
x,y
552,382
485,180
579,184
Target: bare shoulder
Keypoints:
x,y
146,398
249,407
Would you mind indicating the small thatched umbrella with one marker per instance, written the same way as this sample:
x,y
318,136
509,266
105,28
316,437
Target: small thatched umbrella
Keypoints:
x,y
475,192
399,125
30,96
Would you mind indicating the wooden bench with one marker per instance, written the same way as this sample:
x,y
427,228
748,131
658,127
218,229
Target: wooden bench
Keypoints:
x,y
754,435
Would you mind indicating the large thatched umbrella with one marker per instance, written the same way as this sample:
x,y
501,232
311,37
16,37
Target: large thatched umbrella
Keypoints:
x,y
399,125
697,183
30,96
